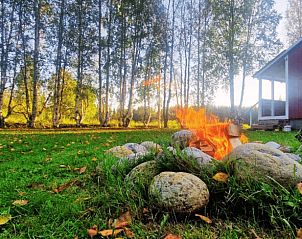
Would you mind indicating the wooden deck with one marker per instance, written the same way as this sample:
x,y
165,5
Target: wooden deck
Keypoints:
x,y
268,125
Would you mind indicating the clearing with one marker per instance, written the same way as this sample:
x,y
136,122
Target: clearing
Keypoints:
x,y
67,182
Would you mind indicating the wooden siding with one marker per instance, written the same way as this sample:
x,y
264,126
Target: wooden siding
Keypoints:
x,y
295,83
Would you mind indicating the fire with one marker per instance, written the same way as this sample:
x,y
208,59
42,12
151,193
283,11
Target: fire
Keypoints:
x,y
212,135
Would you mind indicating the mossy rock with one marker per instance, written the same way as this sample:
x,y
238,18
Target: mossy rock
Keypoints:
x,y
143,173
259,161
179,192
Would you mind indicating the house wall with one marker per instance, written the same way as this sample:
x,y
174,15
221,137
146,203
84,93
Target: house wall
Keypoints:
x,y
295,84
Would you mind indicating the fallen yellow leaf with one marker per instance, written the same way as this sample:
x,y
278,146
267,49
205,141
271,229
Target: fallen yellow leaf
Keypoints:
x,y
92,231
82,170
299,186
299,233
129,233
94,159
171,236
221,177
20,202
206,219
4,219
21,193
110,232
124,220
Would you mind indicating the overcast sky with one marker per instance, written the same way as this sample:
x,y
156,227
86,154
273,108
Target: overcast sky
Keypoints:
x,y
251,89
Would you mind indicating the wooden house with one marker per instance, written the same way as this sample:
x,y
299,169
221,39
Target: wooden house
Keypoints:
x,y
283,74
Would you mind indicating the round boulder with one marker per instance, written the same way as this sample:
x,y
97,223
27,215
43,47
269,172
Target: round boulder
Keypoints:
x,y
136,148
259,161
151,146
143,173
119,151
183,138
197,155
179,192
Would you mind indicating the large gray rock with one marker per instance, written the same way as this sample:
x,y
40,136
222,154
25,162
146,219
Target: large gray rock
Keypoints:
x,y
179,192
182,138
136,148
259,161
151,146
197,155
143,173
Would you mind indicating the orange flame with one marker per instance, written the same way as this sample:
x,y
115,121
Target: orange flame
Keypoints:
x,y
212,135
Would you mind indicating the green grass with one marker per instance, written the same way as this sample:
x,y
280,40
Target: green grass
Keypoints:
x,y
34,163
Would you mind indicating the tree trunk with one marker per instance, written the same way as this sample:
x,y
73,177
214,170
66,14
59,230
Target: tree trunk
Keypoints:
x,y
100,65
55,118
189,57
107,116
78,115
171,68
231,59
24,70
32,119
2,70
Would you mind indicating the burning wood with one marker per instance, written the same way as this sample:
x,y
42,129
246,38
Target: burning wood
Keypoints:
x,y
212,136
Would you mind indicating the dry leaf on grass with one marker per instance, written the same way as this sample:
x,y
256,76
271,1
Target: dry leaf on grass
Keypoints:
x,y
299,186
94,159
92,231
129,233
64,186
5,219
171,236
21,193
299,233
124,220
81,170
110,232
206,219
221,177
20,202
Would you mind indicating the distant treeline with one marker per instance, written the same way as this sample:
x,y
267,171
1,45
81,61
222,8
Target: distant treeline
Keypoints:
x,y
93,61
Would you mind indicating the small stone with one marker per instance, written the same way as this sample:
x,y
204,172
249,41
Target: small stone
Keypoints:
x,y
136,148
151,146
179,192
183,138
171,149
273,145
143,173
196,154
119,151
132,159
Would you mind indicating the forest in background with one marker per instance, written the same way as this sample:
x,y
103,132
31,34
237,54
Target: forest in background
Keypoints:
x,y
117,61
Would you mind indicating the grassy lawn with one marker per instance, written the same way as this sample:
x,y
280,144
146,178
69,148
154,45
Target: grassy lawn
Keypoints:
x,y
33,164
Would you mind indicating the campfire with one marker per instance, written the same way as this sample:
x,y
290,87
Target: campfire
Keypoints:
x,y
211,136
